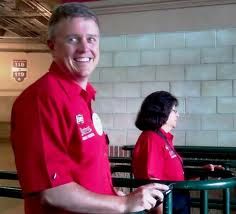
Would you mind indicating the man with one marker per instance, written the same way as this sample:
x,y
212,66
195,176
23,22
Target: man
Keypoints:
x,y
59,145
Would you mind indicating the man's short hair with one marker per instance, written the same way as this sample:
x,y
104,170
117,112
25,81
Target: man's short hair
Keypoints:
x,y
69,10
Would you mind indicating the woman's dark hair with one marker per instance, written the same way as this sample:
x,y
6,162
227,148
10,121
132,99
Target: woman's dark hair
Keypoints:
x,y
155,110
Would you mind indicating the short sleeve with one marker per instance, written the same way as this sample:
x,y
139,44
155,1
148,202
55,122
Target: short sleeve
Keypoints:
x,y
39,135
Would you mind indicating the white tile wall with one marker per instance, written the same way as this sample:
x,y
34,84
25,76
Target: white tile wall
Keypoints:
x,y
198,67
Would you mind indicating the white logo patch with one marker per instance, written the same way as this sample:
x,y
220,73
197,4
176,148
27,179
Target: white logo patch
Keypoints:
x,y
97,124
79,119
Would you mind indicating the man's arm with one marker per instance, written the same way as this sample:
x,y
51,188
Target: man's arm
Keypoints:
x,y
75,198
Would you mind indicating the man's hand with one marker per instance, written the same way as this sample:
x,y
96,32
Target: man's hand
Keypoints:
x,y
145,197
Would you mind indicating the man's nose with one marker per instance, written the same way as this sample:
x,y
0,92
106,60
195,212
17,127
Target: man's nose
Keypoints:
x,y
83,45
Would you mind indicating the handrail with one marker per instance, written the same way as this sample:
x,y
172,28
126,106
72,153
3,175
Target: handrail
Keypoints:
x,y
201,185
206,184
9,175
10,192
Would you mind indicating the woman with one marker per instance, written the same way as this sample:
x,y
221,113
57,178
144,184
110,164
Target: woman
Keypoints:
x,y
154,156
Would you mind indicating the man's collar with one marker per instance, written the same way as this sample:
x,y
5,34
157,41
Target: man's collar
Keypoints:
x,y
70,86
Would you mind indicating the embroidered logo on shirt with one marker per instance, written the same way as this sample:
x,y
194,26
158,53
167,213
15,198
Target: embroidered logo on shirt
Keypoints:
x,y
171,152
86,133
79,119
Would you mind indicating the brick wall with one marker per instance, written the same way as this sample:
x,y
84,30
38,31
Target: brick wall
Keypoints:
x,y
198,67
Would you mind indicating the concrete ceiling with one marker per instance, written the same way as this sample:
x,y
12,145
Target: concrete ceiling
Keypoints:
x,y
25,20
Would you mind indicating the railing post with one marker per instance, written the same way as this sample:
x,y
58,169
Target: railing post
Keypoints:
x,y
204,202
168,204
226,199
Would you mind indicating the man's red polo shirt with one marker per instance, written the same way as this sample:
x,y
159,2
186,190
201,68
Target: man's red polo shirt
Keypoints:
x,y
153,158
57,139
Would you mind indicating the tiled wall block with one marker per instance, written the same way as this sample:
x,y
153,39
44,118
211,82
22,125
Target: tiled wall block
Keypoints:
x,y
217,88
132,136
170,73
201,39
139,42
158,57
170,40
189,122
149,87
201,72
198,67
140,74
113,43
185,56
186,88
226,138
179,138
217,122
217,55
226,105
201,138
106,60
126,90
201,105
126,58
133,105
226,37
124,121
226,71
114,74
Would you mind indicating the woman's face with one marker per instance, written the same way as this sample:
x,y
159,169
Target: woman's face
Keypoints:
x,y
172,119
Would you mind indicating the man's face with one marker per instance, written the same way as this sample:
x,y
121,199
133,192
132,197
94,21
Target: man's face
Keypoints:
x,y
75,47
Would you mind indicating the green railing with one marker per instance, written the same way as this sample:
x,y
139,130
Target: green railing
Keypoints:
x,y
204,185
200,185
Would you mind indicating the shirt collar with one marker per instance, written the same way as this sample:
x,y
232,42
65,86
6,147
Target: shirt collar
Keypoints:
x,y
70,86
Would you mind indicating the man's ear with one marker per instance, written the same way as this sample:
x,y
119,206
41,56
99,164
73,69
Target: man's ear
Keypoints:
x,y
50,44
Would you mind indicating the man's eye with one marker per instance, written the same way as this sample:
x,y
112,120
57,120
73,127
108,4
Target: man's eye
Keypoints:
x,y
72,40
91,39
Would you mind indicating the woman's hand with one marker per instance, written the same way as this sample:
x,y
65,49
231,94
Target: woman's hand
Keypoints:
x,y
212,167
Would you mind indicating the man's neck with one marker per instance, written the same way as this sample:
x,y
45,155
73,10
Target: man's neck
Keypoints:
x,y
82,83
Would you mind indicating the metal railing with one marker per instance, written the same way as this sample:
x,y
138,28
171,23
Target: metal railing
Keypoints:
x,y
203,186
200,185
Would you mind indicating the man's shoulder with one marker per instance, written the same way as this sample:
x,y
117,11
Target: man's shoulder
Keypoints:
x,y
45,86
